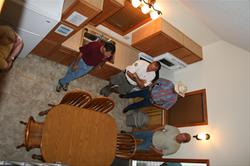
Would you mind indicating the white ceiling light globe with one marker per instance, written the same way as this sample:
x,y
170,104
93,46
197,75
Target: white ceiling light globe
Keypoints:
x,y
136,3
145,9
154,15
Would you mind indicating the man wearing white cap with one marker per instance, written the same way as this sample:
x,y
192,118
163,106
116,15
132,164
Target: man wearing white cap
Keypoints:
x,y
163,93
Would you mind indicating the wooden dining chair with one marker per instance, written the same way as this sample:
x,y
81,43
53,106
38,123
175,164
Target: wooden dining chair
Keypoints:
x,y
32,134
101,104
76,98
125,146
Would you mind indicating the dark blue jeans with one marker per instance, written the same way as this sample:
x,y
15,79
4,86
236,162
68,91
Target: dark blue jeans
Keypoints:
x,y
144,93
146,137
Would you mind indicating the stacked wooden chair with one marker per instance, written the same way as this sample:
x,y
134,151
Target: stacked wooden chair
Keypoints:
x,y
76,98
101,104
125,146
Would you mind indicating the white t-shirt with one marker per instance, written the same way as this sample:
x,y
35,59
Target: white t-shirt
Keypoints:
x,y
140,68
166,140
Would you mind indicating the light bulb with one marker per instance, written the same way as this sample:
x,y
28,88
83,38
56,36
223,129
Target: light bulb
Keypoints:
x,y
145,9
202,136
136,3
156,6
154,15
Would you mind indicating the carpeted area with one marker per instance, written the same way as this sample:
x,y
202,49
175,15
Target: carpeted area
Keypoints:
x,y
27,89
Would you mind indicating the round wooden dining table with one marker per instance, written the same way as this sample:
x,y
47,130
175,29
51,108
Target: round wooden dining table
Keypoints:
x,y
78,137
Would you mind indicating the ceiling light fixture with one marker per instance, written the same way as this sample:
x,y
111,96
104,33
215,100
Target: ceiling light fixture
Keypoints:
x,y
148,6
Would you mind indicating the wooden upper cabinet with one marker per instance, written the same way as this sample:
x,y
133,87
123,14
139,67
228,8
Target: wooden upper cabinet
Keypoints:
x,y
79,9
120,16
86,8
159,37
110,7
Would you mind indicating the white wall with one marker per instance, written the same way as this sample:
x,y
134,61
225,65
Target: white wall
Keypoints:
x,y
225,74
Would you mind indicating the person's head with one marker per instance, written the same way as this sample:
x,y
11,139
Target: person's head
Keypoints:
x,y
154,66
108,49
183,138
180,89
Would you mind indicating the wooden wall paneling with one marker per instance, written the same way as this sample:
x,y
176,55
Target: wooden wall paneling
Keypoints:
x,y
110,7
105,72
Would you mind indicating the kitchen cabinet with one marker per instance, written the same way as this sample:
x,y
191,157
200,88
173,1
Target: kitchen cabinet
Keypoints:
x,y
31,19
120,16
75,16
126,19
106,71
159,37
110,7
62,53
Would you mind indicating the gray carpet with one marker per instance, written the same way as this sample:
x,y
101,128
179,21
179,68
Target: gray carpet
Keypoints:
x,y
27,89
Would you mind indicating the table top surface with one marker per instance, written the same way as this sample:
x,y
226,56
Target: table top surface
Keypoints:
x,y
77,136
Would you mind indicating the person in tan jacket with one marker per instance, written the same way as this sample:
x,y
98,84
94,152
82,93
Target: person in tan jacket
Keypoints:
x,y
11,45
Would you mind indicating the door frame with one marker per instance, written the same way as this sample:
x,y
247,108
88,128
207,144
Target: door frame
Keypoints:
x,y
204,120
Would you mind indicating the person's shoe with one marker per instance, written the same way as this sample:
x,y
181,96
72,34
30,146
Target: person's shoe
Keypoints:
x,y
105,91
122,131
121,95
58,87
114,86
124,111
65,87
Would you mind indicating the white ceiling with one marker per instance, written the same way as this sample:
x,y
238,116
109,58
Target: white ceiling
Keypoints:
x,y
228,19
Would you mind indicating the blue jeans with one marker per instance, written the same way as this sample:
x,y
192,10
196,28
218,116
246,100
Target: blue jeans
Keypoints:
x,y
144,93
146,136
71,75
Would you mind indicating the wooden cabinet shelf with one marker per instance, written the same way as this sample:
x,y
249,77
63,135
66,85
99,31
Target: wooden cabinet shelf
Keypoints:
x,y
159,37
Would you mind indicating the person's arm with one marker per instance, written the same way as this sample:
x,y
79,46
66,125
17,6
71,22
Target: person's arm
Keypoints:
x,y
76,61
98,67
140,82
159,128
17,48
